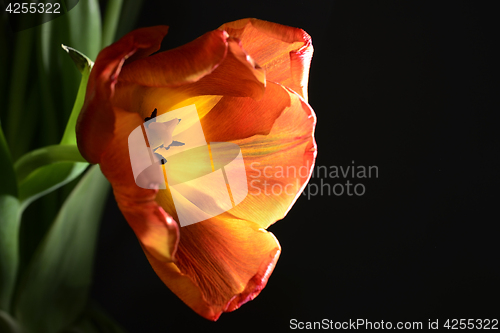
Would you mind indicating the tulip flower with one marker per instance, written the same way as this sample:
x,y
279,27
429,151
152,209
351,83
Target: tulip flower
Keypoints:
x,y
248,81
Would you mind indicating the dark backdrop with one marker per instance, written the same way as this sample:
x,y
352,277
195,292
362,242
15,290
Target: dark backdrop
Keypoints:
x,y
404,86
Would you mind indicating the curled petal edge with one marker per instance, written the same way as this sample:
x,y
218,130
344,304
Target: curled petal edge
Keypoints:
x,y
95,125
299,58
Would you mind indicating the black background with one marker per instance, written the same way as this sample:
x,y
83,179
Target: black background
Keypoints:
x,y
405,86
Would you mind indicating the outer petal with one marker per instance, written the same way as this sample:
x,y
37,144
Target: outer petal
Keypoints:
x,y
185,64
222,264
156,230
94,129
236,75
284,52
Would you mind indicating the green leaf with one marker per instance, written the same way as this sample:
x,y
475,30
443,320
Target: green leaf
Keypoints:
x,y
81,29
49,81
9,226
53,173
131,10
5,57
44,156
47,179
54,289
46,169
9,248
19,83
7,174
31,115
111,19
8,324
85,28
83,32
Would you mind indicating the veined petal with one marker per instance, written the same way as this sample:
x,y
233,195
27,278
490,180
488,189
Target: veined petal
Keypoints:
x,y
278,149
221,264
276,138
94,129
236,118
284,52
156,230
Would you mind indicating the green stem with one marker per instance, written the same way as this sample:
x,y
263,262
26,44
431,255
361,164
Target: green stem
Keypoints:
x,y
46,155
111,19
69,136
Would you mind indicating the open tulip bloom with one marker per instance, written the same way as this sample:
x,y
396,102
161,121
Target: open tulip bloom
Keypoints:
x,y
246,83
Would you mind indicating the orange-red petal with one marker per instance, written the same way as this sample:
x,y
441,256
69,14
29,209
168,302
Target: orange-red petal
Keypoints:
x,y
225,261
235,75
284,52
156,230
229,66
234,118
94,129
276,137
222,263
185,64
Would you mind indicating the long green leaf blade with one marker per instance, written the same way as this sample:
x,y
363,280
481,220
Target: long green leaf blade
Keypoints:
x,y
131,11
54,289
80,28
44,156
8,184
18,86
111,20
47,179
43,170
9,226
9,248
